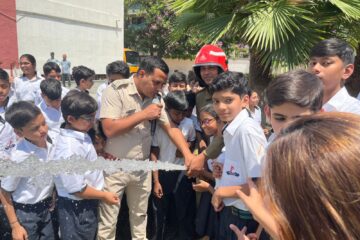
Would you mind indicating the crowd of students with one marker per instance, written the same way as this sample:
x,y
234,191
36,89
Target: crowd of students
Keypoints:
x,y
300,181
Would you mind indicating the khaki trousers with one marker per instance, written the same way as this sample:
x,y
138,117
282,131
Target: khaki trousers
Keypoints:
x,y
137,186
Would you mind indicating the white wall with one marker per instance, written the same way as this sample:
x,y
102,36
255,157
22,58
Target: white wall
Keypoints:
x,y
89,31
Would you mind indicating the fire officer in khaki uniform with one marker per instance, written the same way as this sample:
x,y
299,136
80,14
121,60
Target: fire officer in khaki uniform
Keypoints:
x,y
129,108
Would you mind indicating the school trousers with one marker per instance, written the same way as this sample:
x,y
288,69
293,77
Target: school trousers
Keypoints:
x,y
36,219
5,229
137,186
78,218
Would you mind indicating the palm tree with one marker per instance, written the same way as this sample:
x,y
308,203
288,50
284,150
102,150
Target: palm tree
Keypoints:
x,y
280,33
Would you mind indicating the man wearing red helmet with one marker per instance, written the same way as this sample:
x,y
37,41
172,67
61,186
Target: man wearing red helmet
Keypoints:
x,y
210,61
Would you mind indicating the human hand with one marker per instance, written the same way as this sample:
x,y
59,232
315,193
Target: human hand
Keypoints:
x,y
196,165
253,200
158,191
111,198
18,232
107,156
217,202
217,169
201,186
241,234
153,111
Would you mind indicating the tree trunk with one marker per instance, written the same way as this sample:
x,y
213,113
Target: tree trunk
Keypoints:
x,y
259,75
353,83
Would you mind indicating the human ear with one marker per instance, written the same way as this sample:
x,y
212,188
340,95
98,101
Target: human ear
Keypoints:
x,y
349,69
19,132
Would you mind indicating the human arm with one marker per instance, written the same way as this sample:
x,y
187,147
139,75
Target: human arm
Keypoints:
x,y
92,193
18,232
113,127
203,186
154,156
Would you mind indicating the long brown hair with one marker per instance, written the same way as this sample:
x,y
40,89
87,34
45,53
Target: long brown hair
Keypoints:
x,y
312,177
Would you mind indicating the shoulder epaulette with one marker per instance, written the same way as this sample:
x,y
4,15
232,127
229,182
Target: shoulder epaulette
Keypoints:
x,y
121,83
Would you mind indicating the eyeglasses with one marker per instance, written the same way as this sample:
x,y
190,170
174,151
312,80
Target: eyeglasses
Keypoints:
x,y
207,121
88,117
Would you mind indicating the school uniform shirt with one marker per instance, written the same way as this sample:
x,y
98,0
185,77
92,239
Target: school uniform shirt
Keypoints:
x,y
24,189
64,91
74,143
99,93
27,89
167,147
256,115
7,138
245,148
122,99
53,117
342,102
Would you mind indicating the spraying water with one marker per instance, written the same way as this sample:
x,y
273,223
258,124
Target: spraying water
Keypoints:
x,y
33,166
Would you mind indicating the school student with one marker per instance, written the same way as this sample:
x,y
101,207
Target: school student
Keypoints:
x,y
84,78
51,100
245,147
114,71
79,194
174,199
255,110
27,86
290,96
52,70
7,142
332,60
27,204
177,82
317,164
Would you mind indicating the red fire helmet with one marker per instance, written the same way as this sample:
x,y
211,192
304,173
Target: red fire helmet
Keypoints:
x,y
210,55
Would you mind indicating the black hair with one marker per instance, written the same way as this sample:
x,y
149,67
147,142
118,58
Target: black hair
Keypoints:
x,y
249,92
191,99
118,67
334,47
77,103
4,75
148,64
209,108
177,77
176,100
19,114
82,72
97,130
232,81
51,88
49,66
299,87
30,58
202,83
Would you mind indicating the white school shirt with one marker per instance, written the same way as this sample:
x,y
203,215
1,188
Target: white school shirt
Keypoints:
x,y
99,93
245,144
68,144
53,117
342,102
26,89
256,115
64,91
167,147
8,138
24,189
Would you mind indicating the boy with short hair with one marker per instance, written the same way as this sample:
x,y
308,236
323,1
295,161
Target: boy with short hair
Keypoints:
x,y
52,70
114,71
174,198
51,100
7,142
84,78
332,60
245,147
27,204
177,82
78,194
290,96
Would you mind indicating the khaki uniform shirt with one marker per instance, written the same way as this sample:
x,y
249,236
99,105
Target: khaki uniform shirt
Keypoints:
x,y
119,100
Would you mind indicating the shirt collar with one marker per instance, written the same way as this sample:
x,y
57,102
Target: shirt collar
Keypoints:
x,y
337,100
234,124
73,133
